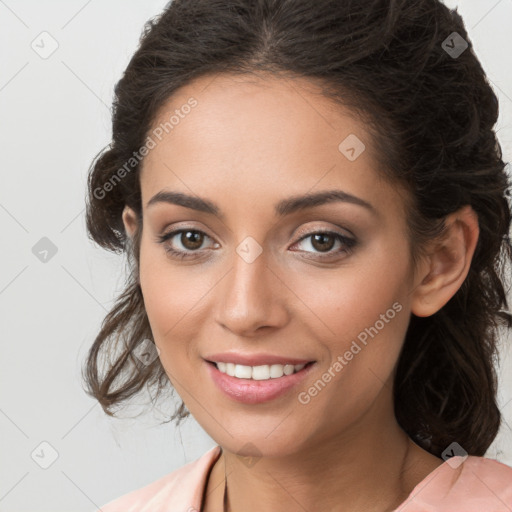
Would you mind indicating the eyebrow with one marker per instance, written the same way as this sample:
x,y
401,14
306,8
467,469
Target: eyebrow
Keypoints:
x,y
282,208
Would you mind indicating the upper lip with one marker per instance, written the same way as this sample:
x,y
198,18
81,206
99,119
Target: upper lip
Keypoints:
x,y
254,359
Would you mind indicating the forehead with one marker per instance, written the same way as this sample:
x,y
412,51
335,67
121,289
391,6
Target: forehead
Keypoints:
x,y
252,135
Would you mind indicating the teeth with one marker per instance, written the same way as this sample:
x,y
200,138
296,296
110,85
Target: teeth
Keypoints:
x,y
263,372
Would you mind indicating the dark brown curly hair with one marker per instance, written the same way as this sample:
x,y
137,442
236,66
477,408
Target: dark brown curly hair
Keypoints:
x,y
431,114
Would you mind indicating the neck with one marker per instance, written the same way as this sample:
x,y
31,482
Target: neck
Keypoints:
x,y
371,466
365,483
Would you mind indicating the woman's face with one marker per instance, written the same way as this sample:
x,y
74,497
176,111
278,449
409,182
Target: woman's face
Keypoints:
x,y
330,282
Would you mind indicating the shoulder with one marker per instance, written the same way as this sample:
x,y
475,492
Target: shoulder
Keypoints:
x,y
473,483
180,490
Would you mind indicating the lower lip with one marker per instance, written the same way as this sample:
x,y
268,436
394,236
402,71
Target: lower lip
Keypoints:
x,y
249,391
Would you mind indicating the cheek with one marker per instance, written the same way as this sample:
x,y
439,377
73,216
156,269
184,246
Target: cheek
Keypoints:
x,y
351,298
361,317
168,294
363,323
176,301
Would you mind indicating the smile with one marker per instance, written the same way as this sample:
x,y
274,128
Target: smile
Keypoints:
x,y
257,384
261,372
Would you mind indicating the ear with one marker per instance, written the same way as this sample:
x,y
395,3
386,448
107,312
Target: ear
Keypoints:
x,y
446,266
129,220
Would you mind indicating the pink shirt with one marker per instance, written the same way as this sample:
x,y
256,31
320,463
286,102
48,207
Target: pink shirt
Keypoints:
x,y
477,484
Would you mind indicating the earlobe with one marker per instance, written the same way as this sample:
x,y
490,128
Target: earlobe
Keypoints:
x,y
448,263
129,220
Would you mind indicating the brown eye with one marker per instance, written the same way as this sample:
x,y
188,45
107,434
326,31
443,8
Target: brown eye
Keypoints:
x,y
322,244
185,243
323,241
192,240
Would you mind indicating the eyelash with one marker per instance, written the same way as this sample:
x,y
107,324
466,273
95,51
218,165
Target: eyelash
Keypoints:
x,y
348,243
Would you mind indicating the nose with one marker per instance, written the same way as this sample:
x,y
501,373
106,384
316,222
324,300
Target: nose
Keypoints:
x,y
251,297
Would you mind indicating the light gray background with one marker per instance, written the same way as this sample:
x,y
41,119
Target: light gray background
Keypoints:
x,y
54,118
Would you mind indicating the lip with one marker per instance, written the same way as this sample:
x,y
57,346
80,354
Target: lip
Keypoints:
x,y
249,391
254,359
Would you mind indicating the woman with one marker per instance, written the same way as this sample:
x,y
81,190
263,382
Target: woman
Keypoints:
x,y
314,201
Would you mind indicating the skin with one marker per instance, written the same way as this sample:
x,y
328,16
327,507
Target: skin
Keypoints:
x,y
245,146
